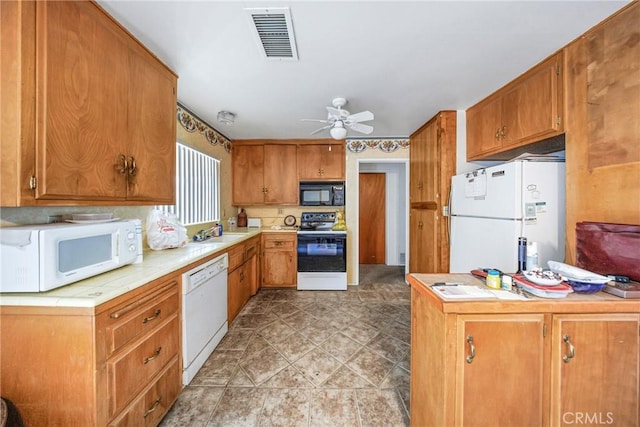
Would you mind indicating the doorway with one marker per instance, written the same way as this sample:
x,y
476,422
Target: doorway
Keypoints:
x,y
372,230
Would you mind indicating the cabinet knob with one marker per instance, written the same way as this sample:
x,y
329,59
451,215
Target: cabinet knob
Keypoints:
x,y
503,132
498,134
472,349
570,348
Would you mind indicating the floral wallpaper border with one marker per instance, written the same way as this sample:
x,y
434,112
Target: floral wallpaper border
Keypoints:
x,y
386,145
191,123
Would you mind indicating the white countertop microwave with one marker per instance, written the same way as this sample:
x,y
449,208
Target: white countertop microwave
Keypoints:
x,y
42,257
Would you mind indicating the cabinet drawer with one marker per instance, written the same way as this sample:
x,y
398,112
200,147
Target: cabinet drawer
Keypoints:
x,y
279,243
138,321
236,256
154,402
130,372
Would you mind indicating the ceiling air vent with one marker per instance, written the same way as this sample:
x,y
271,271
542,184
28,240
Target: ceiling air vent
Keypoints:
x,y
273,30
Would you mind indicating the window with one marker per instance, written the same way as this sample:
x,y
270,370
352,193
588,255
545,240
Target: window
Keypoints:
x,y
197,187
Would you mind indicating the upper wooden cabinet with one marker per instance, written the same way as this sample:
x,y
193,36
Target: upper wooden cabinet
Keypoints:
x,y
432,163
321,162
94,110
264,174
527,110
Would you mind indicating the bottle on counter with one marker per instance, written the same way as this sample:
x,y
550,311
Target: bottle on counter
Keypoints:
x,y
242,218
522,254
532,256
493,279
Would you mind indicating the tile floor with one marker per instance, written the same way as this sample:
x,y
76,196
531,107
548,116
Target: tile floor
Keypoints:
x,y
307,358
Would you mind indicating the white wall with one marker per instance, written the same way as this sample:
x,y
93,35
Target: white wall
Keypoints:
x,y
395,208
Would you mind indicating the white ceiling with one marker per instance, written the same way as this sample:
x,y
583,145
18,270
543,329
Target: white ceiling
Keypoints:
x,y
402,60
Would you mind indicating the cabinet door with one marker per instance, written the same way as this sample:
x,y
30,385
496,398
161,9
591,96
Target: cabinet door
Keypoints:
x,y
280,174
332,164
234,293
309,162
279,260
531,109
247,163
595,371
483,128
424,250
500,365
152,130
83,85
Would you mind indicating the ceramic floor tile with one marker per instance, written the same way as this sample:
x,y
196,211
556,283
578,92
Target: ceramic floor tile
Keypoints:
x,y
398,330
300,320
236,339
381,408
238,407
405,362
263,365
240,379
275,332
193,407
388,347
370,366
317,365
400,380
288,378
285,408
341,347
257,344
294,347
318,332
360,332
346,378
256,307
253,321
333,408
284,309
218,368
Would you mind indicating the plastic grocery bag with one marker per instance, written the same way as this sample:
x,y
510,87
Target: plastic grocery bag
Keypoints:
x,y
164,231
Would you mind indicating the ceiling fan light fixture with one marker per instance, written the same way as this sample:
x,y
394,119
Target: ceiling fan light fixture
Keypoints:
x,y
338,131
226,117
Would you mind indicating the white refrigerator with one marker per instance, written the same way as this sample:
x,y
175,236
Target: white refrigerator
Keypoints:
x,y
491,208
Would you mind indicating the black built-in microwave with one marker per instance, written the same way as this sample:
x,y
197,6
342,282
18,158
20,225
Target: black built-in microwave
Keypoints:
x,y
322,193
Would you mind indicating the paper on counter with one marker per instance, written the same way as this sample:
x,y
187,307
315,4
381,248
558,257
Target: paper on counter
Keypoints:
x,y
462,292
506,295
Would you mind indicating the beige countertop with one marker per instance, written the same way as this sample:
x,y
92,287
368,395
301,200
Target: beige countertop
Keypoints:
x,y
106,286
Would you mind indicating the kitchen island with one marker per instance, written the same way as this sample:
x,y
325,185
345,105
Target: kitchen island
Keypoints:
x,y
536,362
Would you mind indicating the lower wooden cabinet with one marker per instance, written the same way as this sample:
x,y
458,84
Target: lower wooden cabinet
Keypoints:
x,y
242,281
96,366
532,363
279,260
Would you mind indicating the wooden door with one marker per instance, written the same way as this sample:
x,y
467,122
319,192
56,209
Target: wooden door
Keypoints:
x,y
280,174
372,218
483,127
600,377
531,109
82,92
500,365
247,163
152,134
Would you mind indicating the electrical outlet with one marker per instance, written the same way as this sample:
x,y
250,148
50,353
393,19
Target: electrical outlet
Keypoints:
x,y
445,211
55,218
280,211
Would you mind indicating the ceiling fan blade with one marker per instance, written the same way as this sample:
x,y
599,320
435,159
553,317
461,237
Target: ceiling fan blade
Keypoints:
x,y
358,127
314,120
320,130
364,116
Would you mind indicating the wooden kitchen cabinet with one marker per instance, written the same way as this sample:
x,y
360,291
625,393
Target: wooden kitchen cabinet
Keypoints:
x,y
595,369
243,274
279,260
115,364
264,174
321,162
538,362
525,111
515,343
95,115
432,162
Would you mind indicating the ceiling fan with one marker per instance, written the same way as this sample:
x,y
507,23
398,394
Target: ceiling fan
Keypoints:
x,y
338,120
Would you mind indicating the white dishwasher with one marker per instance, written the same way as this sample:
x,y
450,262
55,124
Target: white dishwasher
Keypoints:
x,y
204,313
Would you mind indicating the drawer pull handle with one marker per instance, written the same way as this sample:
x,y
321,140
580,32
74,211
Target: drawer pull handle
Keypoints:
x,y
572,351
133,169
153,407
125,164
472,349
150,318
155,354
